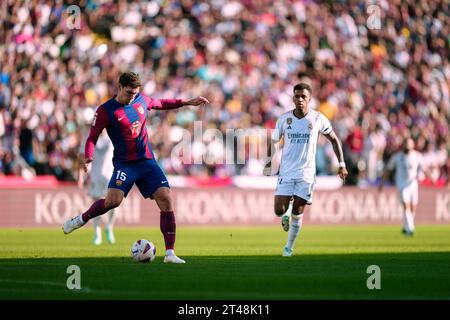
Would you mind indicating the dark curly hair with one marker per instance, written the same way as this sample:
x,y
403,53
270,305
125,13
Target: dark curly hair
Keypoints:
x,y
301,86
130,79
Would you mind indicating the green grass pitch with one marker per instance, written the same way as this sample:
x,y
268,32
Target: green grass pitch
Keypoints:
x,y
330,262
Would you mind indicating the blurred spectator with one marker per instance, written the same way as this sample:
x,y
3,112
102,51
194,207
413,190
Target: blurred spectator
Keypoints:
x,y
375,85
374,145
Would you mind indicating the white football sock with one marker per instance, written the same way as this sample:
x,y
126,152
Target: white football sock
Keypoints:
x,y
96,223
405,221
409,221
289,209
294,229
111,218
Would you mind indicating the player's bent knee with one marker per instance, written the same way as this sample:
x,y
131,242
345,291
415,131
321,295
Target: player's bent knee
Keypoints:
x,y
112,203
164,200
163,196
165,204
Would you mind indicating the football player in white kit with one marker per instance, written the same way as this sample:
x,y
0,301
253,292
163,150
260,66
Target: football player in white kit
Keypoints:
x,y
299,129
407,164
100,174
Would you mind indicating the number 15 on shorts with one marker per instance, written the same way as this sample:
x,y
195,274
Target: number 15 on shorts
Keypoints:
x,y
121,175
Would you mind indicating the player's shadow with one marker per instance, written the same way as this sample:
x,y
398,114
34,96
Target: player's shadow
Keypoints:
x,y
411,275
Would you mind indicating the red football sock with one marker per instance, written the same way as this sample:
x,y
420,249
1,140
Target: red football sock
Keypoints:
x,y
96,209
168,228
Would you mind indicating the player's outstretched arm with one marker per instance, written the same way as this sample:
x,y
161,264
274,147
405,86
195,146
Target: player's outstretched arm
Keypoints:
x,y
195,102
168,104
337,147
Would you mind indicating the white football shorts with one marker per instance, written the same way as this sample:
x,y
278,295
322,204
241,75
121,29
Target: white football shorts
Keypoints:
x,y
410,193
98,186
295,187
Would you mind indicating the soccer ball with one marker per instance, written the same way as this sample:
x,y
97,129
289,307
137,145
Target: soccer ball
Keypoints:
x,y
143,251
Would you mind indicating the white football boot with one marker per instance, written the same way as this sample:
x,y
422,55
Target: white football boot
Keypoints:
x,y
285,222
97,240
73,224
110,236
97,236
287,252
173,259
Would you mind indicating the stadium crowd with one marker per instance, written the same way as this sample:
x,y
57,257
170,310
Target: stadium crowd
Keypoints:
x,y
379,73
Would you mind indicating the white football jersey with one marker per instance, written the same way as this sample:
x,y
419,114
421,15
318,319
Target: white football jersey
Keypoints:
x,y
407,167
102,165
298,159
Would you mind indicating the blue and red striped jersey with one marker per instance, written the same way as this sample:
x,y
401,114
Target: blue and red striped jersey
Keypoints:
x,y
126,126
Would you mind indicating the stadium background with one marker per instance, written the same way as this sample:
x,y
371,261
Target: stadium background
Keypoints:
x,y
379,70
375,85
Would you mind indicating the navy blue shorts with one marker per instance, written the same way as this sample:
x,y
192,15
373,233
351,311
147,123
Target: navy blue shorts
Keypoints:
x,y
146,174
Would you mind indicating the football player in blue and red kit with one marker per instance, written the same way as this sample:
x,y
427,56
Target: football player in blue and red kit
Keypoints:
x,y
124,118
